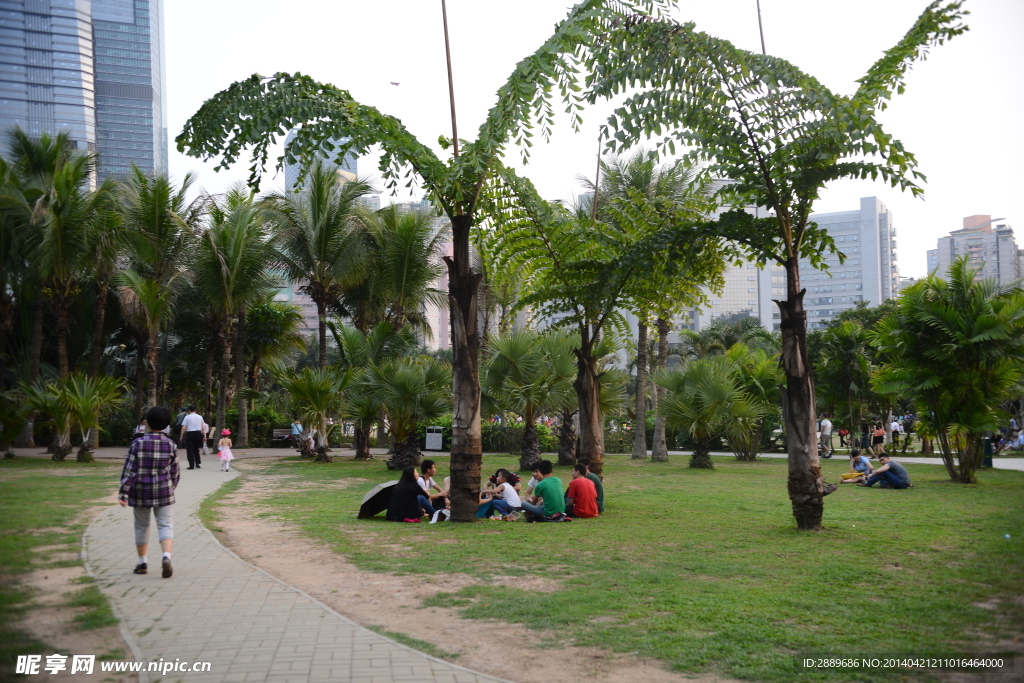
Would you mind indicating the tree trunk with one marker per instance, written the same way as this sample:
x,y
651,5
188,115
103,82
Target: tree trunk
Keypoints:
x,y
152,358
588,394
27,437
97,334
62,339
640,423
242,440
926,445
223,379
806,487
382,431
321,314
467,448
531,446
407,454
567,439
208,378
701,457
659,449
361,442
140,376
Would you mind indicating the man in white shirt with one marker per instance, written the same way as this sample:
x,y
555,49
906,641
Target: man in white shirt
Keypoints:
x,y
426,481
896,429
192,436
506,499
825,444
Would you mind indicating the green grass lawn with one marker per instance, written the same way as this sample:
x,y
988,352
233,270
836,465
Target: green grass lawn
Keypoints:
x,y
704,570
42,504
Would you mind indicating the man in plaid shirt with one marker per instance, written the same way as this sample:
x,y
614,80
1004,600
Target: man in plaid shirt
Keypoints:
x,y
148,480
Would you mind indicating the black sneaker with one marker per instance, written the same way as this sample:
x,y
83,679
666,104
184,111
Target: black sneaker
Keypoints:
x,y
141,568
168,570
190,468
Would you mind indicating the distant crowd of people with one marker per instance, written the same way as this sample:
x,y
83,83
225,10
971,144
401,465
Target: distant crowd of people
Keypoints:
x,y
417,495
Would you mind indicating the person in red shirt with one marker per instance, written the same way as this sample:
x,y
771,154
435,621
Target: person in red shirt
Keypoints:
x,y
581,498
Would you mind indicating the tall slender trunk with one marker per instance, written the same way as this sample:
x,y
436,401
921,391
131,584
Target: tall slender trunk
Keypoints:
x,y
97,334
152,358
382,430
224,377
467,447
806,486
659,448
27,437
62,339
640,424
242,440
208,373
588,394
140,375
321,313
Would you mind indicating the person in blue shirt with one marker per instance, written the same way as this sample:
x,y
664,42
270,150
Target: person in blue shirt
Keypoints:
x,y
860,468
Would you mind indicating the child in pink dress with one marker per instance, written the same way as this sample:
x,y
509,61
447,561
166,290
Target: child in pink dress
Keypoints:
x,y
224,450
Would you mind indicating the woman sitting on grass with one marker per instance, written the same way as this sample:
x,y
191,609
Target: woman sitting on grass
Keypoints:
x,y
404,505
860,468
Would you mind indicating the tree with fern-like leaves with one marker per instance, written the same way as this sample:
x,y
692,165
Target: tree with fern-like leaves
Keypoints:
x,y
779,135
255,112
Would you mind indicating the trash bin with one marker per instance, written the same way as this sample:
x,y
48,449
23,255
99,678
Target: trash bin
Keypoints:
x,y
987,452
435,439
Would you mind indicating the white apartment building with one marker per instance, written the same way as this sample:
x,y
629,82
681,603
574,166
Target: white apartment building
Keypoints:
x,y
991,247
865,235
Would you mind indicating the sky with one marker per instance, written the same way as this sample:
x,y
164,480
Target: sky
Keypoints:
x,y
960,115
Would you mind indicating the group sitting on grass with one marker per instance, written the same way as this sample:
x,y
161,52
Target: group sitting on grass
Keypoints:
x,y
545,498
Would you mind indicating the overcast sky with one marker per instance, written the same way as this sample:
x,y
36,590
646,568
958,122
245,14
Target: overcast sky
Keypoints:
x,y
961,114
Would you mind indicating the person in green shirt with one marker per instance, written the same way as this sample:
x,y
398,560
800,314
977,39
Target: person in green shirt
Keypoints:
x,y
549,488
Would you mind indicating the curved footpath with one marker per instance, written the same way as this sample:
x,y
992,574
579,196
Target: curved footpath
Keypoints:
x,y
220,609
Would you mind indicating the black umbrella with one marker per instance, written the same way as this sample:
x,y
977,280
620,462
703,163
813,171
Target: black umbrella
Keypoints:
x,y
376,501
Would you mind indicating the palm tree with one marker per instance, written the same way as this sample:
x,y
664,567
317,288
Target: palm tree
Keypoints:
x,y
842,373
273,331
318,240
107,243
700,345
957,348
705,401
759,377
48,398
411,390
87,398
63,253
357,351
161,229
231,270
318,395
403,265
527,374
148,305
628,180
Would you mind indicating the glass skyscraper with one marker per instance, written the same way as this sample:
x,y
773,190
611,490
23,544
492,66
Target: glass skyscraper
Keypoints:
x,y
92,68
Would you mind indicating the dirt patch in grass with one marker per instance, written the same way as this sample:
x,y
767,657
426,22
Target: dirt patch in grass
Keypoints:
x,y
393,603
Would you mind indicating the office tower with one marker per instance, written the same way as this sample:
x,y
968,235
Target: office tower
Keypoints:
x,y
131,95
865,235
47,79
94,69
933,260
349,164
991,247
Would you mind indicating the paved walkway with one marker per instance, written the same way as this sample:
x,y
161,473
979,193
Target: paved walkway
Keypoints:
x,y
221,609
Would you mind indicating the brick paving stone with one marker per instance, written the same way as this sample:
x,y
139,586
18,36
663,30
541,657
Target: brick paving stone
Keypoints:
x,y
219,608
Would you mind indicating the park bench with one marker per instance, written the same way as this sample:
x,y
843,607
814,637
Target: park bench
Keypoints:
x,y
282,435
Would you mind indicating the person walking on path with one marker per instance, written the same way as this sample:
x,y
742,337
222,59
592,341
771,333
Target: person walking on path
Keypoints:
x,y
148,480
192,435
224,450
176,427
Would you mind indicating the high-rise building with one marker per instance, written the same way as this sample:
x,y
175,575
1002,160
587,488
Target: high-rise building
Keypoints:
x,y
92,68
47,77
991,247
865,235
131,95
933,260
348,163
